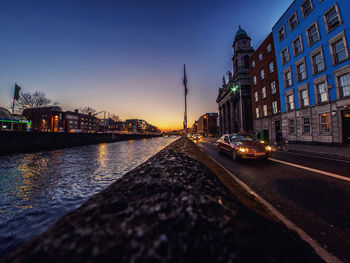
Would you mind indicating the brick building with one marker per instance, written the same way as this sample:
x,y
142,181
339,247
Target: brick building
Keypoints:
x,y
207,124
265,94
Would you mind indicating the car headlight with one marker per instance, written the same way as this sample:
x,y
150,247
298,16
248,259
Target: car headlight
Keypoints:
x,y
262,142
243,150
268,148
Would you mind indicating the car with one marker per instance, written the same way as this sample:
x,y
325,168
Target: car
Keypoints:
x,y
243,146
196,137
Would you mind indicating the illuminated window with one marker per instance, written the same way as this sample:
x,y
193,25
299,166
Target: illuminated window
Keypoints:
x,y
257,113
274,107
322,92
290,102
273,87
304,98
256,96
324,123
263,92
265,110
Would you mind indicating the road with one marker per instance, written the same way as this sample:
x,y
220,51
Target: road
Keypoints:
x,y
312,192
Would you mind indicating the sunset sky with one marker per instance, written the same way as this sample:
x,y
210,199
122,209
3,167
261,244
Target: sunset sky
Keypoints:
x,y
126,57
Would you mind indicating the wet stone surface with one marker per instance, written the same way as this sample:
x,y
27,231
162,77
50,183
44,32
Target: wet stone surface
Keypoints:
x,y
170,209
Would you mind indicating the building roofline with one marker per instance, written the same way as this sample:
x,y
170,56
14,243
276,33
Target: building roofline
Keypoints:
x,y
284,13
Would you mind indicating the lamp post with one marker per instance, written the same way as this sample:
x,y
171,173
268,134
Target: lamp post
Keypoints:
x,y
234,89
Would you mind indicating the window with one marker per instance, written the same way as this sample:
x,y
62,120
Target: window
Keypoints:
x,y
339,51
306,125
254,80
301,72
271,69
288,78
293,21
324,123
322,92
256,96
246,61
297,46
338,48
312,34
262,74
285,56
317,63
265,110
260,56
291,126
306,8
253,64
257,113
304,98
344,83
332,18
268,48
263,92
281,33
290,102
273,87
274,107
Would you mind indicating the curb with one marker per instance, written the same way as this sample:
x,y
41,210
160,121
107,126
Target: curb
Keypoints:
x,y
319,250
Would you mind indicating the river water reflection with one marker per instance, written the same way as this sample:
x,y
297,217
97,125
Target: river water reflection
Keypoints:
x,y
36,189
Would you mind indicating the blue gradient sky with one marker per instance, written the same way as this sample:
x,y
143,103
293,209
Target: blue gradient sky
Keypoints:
x,y
127,57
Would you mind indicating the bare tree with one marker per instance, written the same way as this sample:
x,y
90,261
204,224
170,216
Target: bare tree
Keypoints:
x,y
115,117
87,110
31,100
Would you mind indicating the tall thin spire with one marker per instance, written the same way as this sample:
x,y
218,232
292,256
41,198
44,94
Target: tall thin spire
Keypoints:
x,y
186,91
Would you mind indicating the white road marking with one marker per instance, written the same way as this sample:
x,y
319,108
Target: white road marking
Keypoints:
x,y
323,253
318,156
312,170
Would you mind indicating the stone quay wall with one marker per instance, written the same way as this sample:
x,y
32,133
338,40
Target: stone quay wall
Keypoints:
x,y
15,142
179,206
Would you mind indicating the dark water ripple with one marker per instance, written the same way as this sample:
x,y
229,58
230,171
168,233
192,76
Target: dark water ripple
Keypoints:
x,y
36,189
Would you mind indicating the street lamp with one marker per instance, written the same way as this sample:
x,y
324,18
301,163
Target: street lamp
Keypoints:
x,y
234,89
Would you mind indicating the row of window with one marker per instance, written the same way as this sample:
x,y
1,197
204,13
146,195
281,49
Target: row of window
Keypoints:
x,y
323,121
262,73
264,110
337,45
338,49
331,18
263,91
260,56
321,92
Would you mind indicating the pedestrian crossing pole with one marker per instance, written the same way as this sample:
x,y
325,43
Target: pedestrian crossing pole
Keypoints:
x,y
186,91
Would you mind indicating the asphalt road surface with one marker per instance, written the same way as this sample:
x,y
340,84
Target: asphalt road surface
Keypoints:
x,y
312,192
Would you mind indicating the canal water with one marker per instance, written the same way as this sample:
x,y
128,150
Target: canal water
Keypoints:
x,y
36,189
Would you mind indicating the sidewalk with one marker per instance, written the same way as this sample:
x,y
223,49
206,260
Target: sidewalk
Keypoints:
x,y
340,152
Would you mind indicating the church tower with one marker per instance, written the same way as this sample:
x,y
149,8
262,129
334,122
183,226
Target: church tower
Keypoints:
x,y
234,98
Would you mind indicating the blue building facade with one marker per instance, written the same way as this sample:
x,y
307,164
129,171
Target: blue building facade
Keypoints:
x,y
312,53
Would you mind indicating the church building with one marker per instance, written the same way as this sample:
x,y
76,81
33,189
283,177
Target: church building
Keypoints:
x,y
234,98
